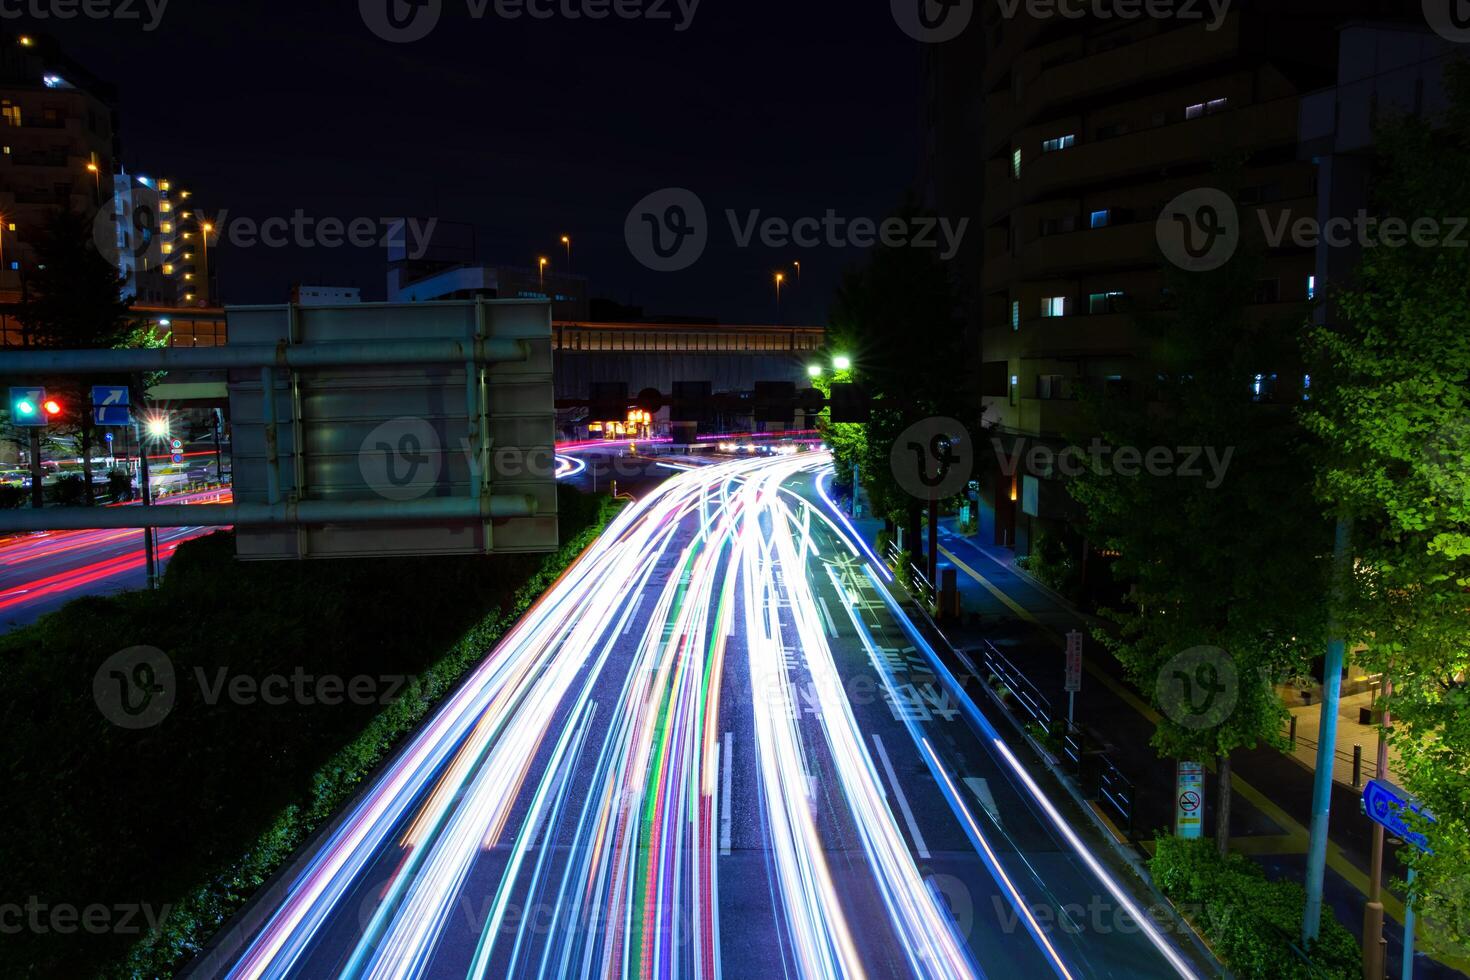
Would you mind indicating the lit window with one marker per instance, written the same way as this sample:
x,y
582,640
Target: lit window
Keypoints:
x,y
165,207
7,151
1311,287
163,186
1099,303
1016,315
167,227
1060,143
168,248
10,112
1101,219
168,268
1054,306
1015,163
1015,387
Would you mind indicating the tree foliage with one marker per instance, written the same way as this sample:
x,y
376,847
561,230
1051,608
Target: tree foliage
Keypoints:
x,y
1395,418
1233,562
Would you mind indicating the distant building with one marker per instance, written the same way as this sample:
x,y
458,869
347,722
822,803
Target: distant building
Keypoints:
x,y
163,243
58,144
325,295
446,268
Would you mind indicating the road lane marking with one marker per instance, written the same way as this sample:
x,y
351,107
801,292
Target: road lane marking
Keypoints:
x,y
827,617
981,789
633,616
903,801
725,794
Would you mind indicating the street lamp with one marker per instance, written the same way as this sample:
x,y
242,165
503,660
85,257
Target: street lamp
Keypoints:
x,y
780,278
96,173
205,229
814,370
798,271
842,362
542,263
567,241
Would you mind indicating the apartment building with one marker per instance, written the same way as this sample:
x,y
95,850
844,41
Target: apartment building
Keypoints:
x,y
1088,130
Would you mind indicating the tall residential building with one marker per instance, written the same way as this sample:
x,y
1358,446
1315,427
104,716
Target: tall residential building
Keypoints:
x,y
162,243
1088,130
58,145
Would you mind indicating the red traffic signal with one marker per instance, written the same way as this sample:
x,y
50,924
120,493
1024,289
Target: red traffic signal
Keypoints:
x,y
51,407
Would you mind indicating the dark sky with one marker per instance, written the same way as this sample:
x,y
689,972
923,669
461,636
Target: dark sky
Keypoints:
x,y
527,129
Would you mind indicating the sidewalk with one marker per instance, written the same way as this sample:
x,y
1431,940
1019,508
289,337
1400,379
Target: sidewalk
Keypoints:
x,y
1272,794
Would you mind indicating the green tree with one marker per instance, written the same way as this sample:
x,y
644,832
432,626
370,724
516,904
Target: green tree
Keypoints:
x,y
1394,414
72,300
896,316
1233,561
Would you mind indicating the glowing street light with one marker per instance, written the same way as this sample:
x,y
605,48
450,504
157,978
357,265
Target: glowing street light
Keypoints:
x,y
842,362
567,241
158,427
814,370
542,264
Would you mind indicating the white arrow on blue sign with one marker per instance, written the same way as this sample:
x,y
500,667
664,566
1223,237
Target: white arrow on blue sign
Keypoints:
x,y
110,405
1386,804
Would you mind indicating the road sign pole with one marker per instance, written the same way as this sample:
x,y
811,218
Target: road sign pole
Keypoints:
x,y
38,475
1408,966
148,551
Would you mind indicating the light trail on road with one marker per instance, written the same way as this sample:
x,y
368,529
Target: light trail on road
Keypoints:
x,y
661,772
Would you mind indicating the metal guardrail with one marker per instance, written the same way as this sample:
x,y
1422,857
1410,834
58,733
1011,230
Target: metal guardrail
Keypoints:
x,y
923,589
1027,694
1074,744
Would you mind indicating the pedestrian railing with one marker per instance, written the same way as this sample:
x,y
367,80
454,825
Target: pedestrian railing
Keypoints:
x,y
1116,793
1074,744
1361,769
1026,694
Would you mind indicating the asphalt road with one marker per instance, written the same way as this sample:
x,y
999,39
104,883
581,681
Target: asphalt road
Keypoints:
x,y
40,573
717,748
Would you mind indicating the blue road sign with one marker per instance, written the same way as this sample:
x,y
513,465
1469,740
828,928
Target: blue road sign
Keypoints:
x,y
26,407
1386,804
110,405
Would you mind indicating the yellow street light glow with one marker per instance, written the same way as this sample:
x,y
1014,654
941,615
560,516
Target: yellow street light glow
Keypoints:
x,y
27,41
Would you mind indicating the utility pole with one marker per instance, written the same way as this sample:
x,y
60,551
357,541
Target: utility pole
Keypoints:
x,y
219,456
1327,744
148,550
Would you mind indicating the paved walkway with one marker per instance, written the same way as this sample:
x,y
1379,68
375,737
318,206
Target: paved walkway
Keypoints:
x,y
1272,791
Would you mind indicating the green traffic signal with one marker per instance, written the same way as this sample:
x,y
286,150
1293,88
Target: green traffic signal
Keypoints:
x,y
25,407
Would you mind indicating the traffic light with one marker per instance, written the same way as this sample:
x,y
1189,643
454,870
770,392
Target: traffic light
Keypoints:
x,y
30,407
775,401
609,401
850,404
51,407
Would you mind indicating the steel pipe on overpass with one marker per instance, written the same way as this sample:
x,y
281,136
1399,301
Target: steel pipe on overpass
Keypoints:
x,y
480,350
285,514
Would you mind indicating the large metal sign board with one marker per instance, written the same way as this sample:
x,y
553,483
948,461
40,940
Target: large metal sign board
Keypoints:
x,y
393,435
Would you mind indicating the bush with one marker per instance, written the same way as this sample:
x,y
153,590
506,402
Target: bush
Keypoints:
x,y
70,490
13,496
1253,924
119,485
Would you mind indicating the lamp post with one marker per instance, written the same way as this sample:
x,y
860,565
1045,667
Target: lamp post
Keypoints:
x,y
541,268
780,278
567,241
96,173
204,229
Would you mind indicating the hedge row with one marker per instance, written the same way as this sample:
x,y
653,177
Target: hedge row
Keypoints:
x,y
195,918
1253,924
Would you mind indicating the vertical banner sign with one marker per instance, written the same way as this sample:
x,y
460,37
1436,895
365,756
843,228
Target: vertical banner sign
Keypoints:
x,y
1074,673
1189,821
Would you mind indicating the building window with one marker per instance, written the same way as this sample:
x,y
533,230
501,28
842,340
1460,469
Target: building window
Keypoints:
x,y
1015,388
1263,388
1206,108
1100,303
1060,143
1058,226
1311,288
1015,164
1016,314
1050,387
1054,306
10,112
1100,219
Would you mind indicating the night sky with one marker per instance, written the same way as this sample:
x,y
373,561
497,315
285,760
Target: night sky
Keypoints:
x,y
527,129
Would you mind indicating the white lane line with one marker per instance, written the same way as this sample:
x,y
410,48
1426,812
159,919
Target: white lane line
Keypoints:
x,y
727,779
827,617
633,616
981,789
903,801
